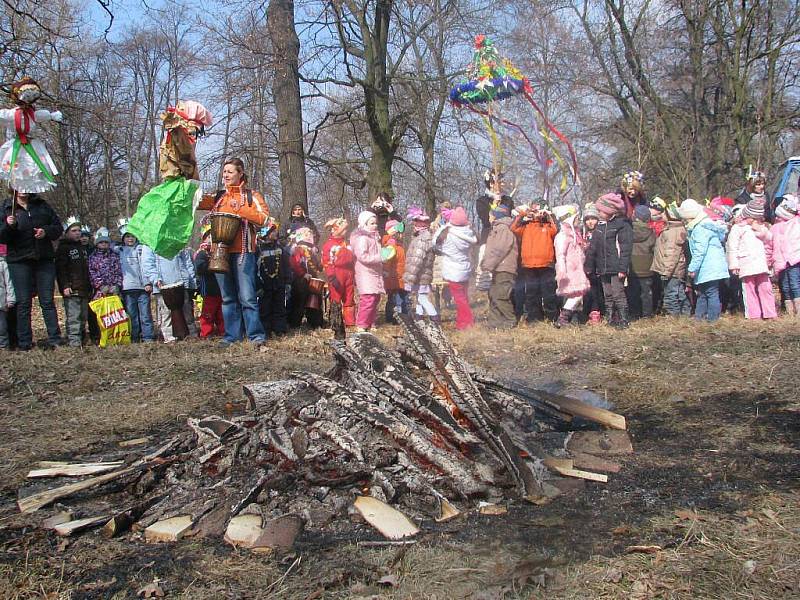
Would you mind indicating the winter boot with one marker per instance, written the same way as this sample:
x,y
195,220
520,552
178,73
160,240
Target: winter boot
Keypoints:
x,y
621,321
595,318
563,318
796,302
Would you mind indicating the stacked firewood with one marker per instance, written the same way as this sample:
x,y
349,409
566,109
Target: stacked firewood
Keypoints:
x,y
416,428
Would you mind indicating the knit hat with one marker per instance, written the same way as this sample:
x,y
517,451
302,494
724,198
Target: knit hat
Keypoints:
x,y
415,213
363,217
336,224
787,209
754,209
689,209
672,212
304,234
500,211
658,204
642,213
394,226
589,211
565,212
459,217
610,205
102,236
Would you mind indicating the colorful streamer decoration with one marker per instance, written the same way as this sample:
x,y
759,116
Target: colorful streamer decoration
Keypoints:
x,y
490,79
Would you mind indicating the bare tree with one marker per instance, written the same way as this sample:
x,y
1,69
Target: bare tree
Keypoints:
x,y
286,90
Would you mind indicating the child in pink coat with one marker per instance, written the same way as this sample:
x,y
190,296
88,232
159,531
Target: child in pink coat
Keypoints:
x,y
786,252
365,242
749,257
570,276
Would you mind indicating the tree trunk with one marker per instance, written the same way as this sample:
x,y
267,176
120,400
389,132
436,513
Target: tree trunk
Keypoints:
x,y
286,94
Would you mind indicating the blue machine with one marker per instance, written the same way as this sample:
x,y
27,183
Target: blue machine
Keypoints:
x,y
788,177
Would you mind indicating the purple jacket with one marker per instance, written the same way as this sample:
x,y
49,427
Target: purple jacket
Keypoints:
x,y
786,243
369,267
105,269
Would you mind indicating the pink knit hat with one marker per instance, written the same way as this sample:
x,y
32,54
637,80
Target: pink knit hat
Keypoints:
x,y
459,217
610,205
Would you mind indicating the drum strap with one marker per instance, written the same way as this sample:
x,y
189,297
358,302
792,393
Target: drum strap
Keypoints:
x,y
221,193
245,228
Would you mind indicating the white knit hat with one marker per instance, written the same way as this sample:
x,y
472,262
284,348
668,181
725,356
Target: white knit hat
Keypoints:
x,y
689,209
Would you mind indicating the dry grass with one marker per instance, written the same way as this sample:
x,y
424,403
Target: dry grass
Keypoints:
x,y
713,410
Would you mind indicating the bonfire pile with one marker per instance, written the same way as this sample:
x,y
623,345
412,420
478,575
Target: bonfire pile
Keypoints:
x,y
388,434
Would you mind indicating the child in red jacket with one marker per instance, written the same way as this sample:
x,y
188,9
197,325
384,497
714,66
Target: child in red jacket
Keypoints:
x,y
339,264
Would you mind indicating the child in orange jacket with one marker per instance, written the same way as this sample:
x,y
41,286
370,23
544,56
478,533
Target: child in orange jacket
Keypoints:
x,y
393,268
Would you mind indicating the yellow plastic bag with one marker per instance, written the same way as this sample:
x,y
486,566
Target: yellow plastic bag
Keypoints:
x,y
115,326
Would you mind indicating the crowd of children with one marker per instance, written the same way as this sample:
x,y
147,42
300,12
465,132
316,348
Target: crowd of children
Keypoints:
x,y
619,258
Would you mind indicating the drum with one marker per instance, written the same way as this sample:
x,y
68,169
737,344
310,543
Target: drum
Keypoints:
x,y
224,229
315,289
174,296
316,286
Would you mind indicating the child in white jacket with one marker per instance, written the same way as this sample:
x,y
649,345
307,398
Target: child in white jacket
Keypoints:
x,y
7,298
454,242
750,257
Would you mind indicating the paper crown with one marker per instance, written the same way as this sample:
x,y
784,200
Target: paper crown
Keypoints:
x,y
73,220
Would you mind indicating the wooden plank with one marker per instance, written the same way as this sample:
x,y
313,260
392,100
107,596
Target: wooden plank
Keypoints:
x,y
587,475
590,462
390,522
168,530
553,462
36,501
577,408
74,470
73,527
134,442
600,443
244,530
57,519
124,520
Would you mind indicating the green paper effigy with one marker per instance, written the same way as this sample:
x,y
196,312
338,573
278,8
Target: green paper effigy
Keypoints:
x,y
164,218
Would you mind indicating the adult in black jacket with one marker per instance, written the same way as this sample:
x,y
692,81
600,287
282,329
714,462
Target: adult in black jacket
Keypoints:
x,y
384,211
29,234
483,205
755,187
299,219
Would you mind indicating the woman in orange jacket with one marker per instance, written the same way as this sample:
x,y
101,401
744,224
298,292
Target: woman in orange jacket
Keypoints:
x,y
238,285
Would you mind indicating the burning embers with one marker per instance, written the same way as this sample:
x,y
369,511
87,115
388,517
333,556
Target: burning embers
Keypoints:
x,y
417,428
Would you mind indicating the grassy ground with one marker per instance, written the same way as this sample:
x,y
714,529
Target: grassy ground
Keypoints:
x,y
714,413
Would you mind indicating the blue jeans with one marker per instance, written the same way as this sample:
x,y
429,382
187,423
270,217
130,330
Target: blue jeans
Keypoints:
x,y
137,305
789,280
39,276
676,302
240,299
708,305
